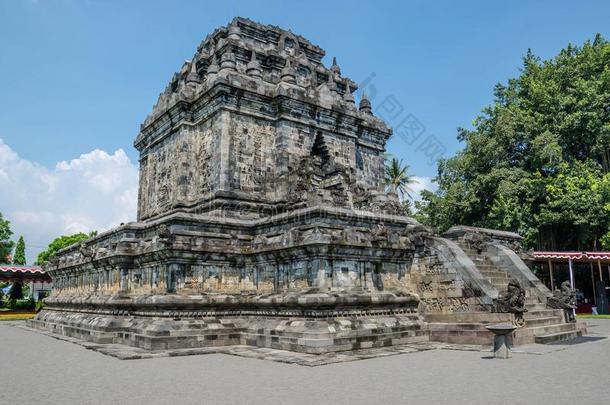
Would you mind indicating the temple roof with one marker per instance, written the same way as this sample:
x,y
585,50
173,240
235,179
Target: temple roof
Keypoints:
x,y
277,60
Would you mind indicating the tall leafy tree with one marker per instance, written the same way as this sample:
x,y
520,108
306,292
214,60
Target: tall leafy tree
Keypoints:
x,y
6,244
397,177
19,256
537,160
60,243
16,292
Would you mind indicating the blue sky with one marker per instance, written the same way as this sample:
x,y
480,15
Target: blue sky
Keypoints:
x,y
77,76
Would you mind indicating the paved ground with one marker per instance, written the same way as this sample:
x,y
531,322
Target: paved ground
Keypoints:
x,y
39,369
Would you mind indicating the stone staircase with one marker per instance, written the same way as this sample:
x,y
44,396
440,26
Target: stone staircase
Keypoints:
x,y
542,324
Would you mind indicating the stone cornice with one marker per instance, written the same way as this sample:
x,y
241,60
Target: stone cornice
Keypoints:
x,y
183,113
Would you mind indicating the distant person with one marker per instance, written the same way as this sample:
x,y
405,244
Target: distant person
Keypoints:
x,y
580,296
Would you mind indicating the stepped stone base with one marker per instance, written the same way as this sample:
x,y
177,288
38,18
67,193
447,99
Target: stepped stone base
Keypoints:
x,y
310,329
541,326
303,335
464,328
558,337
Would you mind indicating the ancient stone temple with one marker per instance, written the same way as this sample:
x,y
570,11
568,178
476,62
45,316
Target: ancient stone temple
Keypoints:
x,y
263,221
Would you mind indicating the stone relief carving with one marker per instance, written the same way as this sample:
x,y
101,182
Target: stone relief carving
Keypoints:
x,y
86,252
564,298
458,304
513,301
476,241
424,286
445,304
376,201
379,235
260,241
448,285
164,236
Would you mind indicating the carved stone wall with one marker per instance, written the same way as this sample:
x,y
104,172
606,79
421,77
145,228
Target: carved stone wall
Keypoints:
x,y
179,172
192,256
442,287
242,114
252,151
370,171
262,209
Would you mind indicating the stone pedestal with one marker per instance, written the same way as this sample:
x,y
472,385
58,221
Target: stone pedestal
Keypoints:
x,y
502,339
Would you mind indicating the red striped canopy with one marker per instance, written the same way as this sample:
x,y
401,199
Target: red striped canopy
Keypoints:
x,y
599,255
575,256
23,273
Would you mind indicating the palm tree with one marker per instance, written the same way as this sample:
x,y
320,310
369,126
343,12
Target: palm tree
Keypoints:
x,y
397,178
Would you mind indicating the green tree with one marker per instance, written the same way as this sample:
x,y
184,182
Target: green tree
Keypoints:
x,y
16,292
19,256
6,244
397,178
60,243
576,206
536,160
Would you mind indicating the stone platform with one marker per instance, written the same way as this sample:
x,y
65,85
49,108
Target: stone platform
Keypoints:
x,y
129,352
308,323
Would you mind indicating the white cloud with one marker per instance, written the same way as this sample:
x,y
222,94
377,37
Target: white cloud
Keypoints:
x,y
95,191
421,183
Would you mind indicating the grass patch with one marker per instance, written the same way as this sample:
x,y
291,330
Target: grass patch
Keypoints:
x,y
586,316
16,316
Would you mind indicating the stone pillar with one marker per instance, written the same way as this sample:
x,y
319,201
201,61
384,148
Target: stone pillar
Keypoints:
x,y
224,150
501,347
171,282
124,279
377,276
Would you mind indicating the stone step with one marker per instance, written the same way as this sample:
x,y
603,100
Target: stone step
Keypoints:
x,y
548,329
535,307
495,274
461,326
464,337
476,257
542,313
468,317
549,320
491,271
528,335
488,267
501,287
557,337
498,280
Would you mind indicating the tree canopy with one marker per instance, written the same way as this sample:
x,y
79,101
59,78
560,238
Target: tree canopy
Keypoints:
x,y
19,256
397,178
6,244
537,160
60,243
